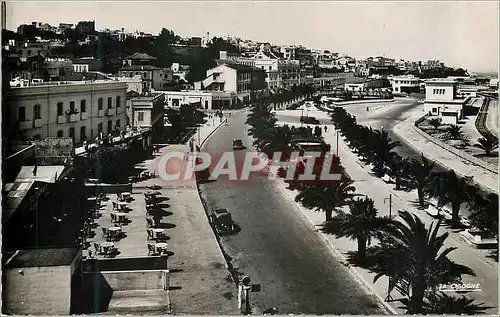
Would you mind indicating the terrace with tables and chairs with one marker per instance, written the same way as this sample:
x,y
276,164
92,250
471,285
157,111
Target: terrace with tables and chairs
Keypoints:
x,y
126,225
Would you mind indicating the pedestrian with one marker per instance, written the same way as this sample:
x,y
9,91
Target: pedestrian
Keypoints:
x,y
326,129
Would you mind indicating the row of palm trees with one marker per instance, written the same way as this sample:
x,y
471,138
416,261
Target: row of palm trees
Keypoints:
x,y
410,254
377,148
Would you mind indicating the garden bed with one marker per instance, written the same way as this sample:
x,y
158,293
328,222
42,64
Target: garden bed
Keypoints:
x,y
463,141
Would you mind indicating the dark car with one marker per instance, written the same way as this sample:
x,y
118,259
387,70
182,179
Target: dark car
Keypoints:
x,y
309,120
222,221
237,144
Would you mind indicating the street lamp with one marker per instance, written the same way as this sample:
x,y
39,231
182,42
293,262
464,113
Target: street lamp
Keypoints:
x,y
390,204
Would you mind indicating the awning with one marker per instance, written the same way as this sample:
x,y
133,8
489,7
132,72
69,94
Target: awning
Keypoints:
x,y
47,174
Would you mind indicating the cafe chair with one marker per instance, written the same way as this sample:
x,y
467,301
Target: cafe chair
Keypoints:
x,y
152,250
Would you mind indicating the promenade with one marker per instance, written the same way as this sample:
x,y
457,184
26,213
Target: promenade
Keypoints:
x,y
462,163
486,269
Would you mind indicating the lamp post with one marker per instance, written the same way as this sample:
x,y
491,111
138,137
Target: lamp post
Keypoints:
x,y
390,204
338,143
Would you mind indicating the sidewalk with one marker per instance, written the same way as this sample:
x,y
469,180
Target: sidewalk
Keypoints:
x,y
492,117
461,162
486,269
200,282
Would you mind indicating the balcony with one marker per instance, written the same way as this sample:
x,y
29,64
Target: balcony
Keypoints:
x,y
61,119
110,112
84,115
100,113
37,123
74,117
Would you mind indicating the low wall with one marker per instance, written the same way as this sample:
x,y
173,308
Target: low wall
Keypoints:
x,y
342,103
489,167
130,280
125,264
110,188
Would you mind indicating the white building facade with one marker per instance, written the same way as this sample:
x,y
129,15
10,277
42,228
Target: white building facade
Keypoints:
x,y
405,84
441,100
80,110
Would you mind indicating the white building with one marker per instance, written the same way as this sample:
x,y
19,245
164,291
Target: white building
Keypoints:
x,y
236,79
207,100
441,100
80,110
354,87
405,84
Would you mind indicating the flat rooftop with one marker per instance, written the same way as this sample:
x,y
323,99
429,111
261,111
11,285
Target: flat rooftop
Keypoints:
x,y
41,257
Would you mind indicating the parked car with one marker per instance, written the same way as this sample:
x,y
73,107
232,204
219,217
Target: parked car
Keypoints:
x,y
222,221
309,120
237,144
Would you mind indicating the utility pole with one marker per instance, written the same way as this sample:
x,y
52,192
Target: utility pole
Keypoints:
x,y
390,204
337,143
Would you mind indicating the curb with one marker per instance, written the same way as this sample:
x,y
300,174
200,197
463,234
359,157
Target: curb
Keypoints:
x,y
336,253
203,206
211,133
397,131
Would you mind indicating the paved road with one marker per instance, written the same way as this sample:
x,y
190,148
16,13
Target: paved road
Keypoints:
x,y
276,247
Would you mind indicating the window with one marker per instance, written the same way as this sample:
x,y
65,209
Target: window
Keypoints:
x,y
145,75
72,133
110,102
137,73
99,104
22,114
60,108
110,126
270,67
118,101
72,106
83,105
118,123
140,116
60,133
434,110
37,113
99,128
83,134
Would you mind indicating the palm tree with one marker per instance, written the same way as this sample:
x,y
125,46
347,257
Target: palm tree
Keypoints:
x,y
487,145
362,223
442,303
327,198
413,258
455,132
383,146
485,213
422,177
435,122
456,191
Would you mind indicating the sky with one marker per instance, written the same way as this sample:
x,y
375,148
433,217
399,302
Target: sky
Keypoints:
x,y
459,33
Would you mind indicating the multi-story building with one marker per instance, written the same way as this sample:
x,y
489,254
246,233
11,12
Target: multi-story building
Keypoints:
x,y
64,26
152,77
80,110
441,99
86,64
237,79
58,67
146,113
85,27
279,73
405,84
208,100
325,59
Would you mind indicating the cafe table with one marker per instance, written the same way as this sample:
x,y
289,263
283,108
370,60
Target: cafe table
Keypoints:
x,y
161,247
